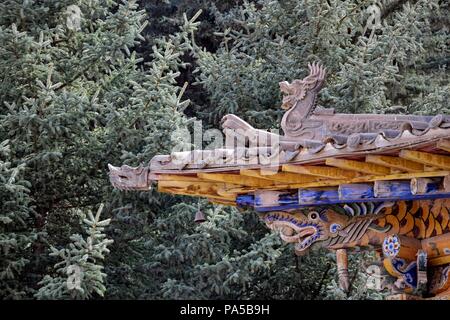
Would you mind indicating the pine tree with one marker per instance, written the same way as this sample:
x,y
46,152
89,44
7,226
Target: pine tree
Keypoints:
x,y
68,70
79,273
16,232
383,57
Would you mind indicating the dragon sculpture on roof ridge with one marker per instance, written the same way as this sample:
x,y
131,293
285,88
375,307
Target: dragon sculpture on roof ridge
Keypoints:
x,y
300,100
305,120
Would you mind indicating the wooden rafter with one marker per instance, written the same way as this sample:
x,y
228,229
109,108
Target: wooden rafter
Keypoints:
x,y
285,177
444,144
223,192
236,179
439,261
359,166
434,160
178,177
321,171
185,192
338,172
337,182
396,163
222,202
193,185
435,246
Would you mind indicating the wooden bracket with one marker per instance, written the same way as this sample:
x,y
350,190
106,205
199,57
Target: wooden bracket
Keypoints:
x,y
342,268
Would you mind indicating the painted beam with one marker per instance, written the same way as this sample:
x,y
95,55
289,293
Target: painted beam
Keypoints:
x,y
312,196
446,183
355,191
437,246
432,196
359,166
264,198
387,189
345,193
396,163
425,185
321,171
439,261
430,159
333,182
245,200
288,198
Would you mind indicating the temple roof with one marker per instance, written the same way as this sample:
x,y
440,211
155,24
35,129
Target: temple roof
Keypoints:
x,y
319,149
302,151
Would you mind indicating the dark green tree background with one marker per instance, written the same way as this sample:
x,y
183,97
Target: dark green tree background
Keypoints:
x,y
87,83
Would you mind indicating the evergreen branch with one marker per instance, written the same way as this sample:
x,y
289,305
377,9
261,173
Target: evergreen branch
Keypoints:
x,y
322,281
77,76
355,275
393,7
436,63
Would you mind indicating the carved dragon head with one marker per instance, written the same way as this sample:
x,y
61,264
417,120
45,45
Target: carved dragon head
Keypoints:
x,y
328,227
129,178
298,89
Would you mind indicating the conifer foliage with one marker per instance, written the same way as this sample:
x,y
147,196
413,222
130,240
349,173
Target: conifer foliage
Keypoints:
x,y
86,83
80,274
16,232
381,56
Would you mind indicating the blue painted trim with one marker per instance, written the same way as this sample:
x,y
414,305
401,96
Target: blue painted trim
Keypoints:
x,y
312,195
285,198
326,202
433,187
245,200
356,191
278,208
394,189
288,198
